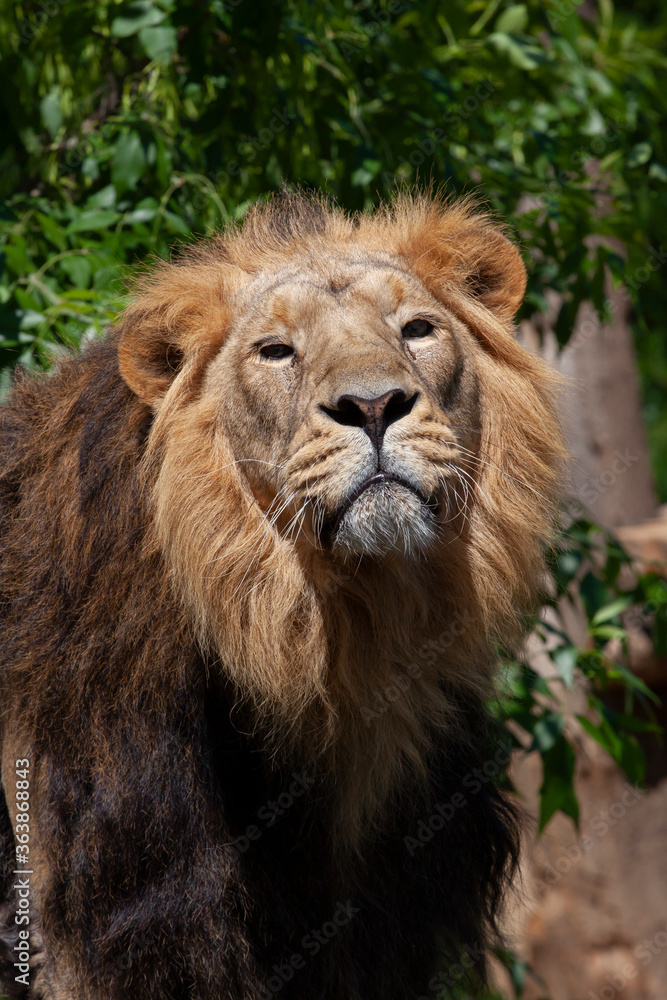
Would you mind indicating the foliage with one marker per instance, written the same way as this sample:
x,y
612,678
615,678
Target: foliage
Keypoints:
x,y
594,575
132,124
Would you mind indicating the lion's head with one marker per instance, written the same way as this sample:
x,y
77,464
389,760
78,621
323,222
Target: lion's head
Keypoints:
x,y
353,465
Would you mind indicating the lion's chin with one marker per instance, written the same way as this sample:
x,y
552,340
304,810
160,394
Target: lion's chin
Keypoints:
x,y
386,518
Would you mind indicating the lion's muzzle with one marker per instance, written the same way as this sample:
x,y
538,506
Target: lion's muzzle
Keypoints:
x,y
385,514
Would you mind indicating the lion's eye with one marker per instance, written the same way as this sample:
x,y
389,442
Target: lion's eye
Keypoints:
x,y
417,328
275,351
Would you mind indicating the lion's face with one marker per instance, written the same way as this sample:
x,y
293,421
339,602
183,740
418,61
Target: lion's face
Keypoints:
x,y
350,399
351,468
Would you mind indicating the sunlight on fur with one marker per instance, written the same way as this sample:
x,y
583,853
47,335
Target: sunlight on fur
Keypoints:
x,y
351,460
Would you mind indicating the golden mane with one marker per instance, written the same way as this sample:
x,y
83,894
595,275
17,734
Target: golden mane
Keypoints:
x,y
352,666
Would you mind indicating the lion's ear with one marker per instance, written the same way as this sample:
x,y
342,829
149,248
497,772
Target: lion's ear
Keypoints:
x,y
492,269
149,359
455,246
181,317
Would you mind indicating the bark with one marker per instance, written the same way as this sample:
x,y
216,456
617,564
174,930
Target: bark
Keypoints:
x,y
611,472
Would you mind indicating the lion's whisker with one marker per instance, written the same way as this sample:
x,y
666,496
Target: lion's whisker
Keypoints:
x,y
461,512
477,488
250,565
229,465
494,465
245,541
294,519
264,528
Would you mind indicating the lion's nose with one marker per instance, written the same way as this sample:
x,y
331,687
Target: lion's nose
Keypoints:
x,y
373,415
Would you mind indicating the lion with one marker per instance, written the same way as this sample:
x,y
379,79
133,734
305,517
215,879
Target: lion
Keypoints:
x,y
259,547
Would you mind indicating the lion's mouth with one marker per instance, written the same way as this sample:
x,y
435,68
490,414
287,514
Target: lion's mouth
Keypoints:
x,y
331,526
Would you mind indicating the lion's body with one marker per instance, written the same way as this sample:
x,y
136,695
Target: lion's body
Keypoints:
x,y
225,800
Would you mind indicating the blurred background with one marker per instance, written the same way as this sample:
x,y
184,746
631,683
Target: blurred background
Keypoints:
x,y
131,127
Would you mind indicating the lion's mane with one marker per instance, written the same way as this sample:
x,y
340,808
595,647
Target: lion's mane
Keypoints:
x,y
168,663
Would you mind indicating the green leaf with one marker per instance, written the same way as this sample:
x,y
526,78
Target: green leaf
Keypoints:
x,y
90,168
52,230
522,56
28,319
129,161
140,215
137,15
623,746
78,270
632,760
159,44
547,731
81,294
103,277
594,594
50,111
657,172
637,725
602,734
557,789
96,219
568,563
618,671
639,154
361,177
28,302
656,589
104,198
366,172
163,162
177,224
565,658
513,20
608,632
